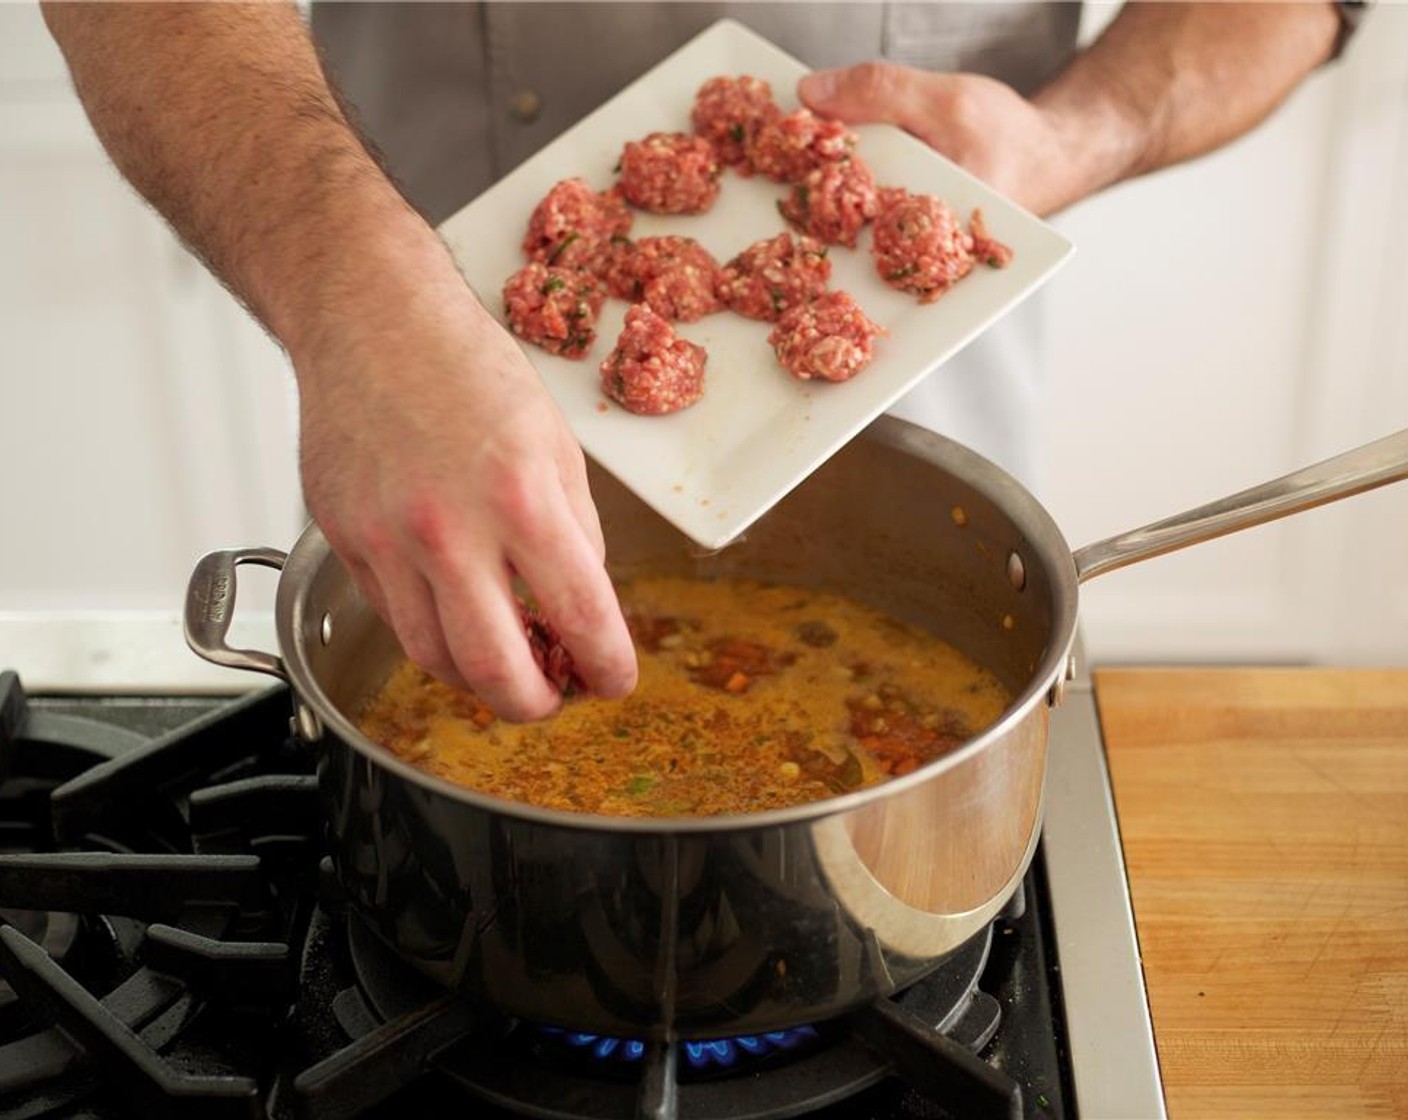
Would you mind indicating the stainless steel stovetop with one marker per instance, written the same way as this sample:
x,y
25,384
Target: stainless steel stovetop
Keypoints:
x,y
1104,1029
1108,1031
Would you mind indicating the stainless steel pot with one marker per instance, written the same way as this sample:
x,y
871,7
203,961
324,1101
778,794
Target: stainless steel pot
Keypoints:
x,y
730,925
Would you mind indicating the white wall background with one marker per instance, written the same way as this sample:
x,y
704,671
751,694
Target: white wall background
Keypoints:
x,y
1223,323
144,418
1220,324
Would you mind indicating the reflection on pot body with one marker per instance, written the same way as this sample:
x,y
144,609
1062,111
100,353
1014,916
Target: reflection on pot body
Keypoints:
x,y
726,925
918,869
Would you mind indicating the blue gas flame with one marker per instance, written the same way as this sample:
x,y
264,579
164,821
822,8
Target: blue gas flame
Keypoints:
x,y
703,1054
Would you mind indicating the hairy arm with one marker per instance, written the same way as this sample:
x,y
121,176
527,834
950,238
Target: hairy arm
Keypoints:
x,y
431,455
1164,83
1168,82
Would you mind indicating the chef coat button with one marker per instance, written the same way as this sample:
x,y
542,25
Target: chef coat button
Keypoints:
x,y
526,105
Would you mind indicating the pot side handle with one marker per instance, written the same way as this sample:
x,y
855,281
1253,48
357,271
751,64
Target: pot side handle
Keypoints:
x,y
210,605
1351,472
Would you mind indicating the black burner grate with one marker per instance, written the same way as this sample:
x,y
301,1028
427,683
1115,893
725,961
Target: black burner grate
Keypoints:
x,y
172,945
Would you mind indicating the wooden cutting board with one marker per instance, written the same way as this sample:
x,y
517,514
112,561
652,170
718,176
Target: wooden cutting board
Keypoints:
x,y
1265,823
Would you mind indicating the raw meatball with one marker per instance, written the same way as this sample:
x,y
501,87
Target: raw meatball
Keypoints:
x,y
571,226
770,277
985,246
833,202
789,148
555,308
830,338
919,245
729,110
677,276
670,173
616,272
651,371
549,653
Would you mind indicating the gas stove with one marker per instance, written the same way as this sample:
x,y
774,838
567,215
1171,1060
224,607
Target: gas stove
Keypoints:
x,y
174,945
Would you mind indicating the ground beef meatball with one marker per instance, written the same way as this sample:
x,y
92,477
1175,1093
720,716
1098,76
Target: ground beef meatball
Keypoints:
x,y
830,338
985,246
677,276
549,653
773,276
789,148
571,226
833,202
670,173
727,111
616,269
555,308
918,244
651,371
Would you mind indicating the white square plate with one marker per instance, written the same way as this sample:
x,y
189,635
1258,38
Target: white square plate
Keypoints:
x,y
717,466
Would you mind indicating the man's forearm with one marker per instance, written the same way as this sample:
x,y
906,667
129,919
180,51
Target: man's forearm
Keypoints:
x,y
1170,81
220,116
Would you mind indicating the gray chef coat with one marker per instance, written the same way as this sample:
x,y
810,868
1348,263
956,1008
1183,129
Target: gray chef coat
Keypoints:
x,y
455,95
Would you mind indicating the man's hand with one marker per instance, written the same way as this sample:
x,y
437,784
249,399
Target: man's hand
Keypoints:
x,y
981,124
1164,83
433,458
438,467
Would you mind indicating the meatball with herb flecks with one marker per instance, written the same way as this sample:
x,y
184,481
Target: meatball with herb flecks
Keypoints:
x,y
572,224
651,371
834,202
830,338
727,111
670,173
554,308
676,276
789,148
771,277
919,245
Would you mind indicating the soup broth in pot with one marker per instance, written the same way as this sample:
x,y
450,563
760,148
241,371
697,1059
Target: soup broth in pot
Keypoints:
x,y
752,696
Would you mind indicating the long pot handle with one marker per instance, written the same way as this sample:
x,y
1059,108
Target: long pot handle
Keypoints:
x,y
1351,472
210,606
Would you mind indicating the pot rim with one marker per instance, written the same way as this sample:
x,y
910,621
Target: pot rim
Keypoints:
x,y
1048,544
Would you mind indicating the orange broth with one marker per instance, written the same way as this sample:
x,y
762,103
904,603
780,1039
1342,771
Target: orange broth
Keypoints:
x,y
751,697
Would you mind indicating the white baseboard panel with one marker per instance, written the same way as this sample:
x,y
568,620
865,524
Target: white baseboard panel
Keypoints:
x,y
122,652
